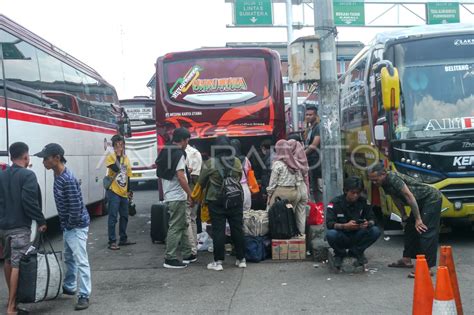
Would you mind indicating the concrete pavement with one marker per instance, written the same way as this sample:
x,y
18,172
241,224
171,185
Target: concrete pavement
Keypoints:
x,y
133,281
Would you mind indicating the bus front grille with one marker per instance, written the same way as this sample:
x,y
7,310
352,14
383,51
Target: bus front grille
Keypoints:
x,y
459,192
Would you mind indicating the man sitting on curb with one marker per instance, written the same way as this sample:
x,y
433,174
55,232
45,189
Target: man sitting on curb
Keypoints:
x,y
350,223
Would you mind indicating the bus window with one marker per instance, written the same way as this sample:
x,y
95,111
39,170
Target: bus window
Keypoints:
x,y
51,73
73,81
353,104
21,69
206,81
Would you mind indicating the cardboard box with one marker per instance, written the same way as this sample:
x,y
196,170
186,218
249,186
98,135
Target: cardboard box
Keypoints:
x,y
289,249
279,249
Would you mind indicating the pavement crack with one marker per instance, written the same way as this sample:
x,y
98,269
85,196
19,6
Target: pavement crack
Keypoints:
x,y
235,291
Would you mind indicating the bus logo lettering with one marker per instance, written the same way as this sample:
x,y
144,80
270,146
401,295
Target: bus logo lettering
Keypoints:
x,y
219,85
183,84
463,42
463,161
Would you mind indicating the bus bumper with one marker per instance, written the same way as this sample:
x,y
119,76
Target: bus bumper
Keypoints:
x,y
143,175
458,197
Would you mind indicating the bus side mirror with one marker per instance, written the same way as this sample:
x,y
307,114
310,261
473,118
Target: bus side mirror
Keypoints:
x,y
390,83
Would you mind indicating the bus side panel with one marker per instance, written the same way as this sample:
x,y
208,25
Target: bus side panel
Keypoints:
x,y
96,173
78,146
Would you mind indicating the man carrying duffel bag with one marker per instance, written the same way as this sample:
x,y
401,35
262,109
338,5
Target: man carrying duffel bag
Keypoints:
x,y
19,205
74,220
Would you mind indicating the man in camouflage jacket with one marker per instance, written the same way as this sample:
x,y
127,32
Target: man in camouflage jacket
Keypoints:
x,y
422,226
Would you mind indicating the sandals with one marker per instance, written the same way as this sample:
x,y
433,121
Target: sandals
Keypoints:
x,y
400,264
113,246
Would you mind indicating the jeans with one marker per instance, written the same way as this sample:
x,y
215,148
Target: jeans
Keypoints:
x,y
117,205
177,237
356,241
77,262
219,215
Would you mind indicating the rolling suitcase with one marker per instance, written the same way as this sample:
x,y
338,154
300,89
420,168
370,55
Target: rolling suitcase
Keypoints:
x,y
159,223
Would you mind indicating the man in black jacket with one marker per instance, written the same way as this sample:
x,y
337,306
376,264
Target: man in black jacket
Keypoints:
x,y
350,223
19,205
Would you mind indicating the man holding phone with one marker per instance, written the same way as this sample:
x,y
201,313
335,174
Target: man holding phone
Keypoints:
x,y
350,223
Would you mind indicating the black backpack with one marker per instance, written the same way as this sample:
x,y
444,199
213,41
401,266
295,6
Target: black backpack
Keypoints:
x,y
231,194
282,220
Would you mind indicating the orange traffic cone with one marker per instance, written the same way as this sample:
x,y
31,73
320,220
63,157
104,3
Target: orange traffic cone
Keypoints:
x,y
443,303
446,259
423,292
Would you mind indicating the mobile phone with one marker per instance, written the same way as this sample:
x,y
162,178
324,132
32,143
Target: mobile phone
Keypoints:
x,y
360,221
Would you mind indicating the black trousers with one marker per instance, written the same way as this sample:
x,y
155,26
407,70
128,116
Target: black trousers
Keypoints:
x,y
427,242
219,215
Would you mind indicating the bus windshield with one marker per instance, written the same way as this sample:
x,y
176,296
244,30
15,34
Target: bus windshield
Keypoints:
x,y
214,81
137,110
437,87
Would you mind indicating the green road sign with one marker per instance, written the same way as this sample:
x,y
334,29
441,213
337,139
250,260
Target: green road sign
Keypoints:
x,y
253,12
349,13
442,12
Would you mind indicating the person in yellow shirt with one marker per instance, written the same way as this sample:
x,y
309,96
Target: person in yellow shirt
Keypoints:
x,y
119,193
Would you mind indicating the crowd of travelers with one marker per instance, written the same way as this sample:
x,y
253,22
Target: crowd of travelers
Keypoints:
x,y
222,185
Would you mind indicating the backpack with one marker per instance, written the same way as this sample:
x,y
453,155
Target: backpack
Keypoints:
x,y
282,220
231,194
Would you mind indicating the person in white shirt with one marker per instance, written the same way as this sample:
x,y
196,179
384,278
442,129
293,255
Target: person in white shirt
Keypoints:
x,y
194,163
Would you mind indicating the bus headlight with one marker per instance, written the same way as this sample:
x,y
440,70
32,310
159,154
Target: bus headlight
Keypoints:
x,y
425,177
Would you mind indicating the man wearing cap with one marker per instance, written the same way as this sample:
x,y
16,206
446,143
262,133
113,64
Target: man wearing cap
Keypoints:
x,y
20,203
74,220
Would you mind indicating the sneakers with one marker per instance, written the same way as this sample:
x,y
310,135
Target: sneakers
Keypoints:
x,y
241,263
215,265
190,259
68,292
174,264
82,303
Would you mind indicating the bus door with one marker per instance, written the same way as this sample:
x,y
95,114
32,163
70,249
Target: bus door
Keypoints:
x,y
3,118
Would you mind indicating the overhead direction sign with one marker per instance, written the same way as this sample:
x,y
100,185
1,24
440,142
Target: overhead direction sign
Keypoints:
x,y
253,12
442,12
347,12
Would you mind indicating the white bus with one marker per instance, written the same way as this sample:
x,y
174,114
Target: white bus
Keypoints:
x,y
141,148
48,96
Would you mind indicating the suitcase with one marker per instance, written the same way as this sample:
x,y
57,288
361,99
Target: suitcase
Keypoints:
x,y
159,223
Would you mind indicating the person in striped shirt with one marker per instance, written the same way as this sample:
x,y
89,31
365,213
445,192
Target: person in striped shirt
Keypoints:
x,y
74,220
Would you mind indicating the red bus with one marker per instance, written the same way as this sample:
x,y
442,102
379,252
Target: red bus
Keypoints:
x,y
212,92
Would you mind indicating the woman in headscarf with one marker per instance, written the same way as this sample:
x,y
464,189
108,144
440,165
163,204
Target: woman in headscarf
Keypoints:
x,y
246,167
303,183
223,161
287,180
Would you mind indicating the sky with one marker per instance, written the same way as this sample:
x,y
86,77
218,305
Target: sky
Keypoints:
x,y
121,39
